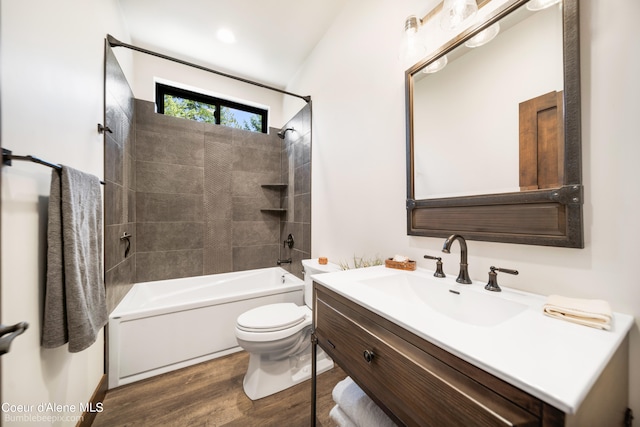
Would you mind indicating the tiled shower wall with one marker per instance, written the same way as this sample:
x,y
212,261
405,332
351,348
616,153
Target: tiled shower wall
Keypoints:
x,y
296,173
119,192
201,207
191,194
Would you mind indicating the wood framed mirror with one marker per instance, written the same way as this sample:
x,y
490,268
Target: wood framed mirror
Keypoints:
x,y
528,156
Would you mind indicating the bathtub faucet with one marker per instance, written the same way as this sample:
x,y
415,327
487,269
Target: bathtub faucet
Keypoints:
x,y
284,261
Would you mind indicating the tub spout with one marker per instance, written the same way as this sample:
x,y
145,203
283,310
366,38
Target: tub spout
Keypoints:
x,y
284,261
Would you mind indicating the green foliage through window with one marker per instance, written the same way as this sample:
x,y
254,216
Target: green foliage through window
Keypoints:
x,y
189,109
203,108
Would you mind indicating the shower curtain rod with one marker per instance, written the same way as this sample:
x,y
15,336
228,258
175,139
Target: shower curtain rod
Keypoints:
x,y
113,42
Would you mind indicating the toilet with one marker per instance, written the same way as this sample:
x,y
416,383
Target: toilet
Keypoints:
x,y
278,340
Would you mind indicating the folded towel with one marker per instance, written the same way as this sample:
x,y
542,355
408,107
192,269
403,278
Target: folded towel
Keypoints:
x,y
590,312
75,307
340,418
360,409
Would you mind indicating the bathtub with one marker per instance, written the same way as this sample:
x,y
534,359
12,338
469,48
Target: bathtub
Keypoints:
x,y
170,324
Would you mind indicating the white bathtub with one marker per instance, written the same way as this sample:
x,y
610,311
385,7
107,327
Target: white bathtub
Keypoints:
x,y
169,324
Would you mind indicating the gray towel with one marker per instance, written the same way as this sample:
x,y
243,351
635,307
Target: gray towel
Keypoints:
x,y
75,307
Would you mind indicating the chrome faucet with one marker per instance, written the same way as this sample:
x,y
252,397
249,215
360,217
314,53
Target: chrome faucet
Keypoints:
x,y
463,275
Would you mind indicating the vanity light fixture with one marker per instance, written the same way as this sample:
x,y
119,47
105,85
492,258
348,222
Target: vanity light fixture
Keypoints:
x,y
455,12
535,5
412,48
452,14
484,36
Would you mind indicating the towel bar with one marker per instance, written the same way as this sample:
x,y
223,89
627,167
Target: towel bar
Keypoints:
x,y
7,157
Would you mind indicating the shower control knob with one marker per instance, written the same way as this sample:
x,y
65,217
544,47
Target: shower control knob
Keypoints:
x,y
289,242
368,355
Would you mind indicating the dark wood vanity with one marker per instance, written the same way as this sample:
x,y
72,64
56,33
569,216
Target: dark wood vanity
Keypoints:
x,y
418,383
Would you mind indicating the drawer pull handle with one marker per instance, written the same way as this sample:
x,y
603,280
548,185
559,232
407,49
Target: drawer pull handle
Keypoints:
x,y
331,344
368,355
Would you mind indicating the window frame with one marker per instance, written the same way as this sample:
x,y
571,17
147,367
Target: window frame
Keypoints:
x,y
164,89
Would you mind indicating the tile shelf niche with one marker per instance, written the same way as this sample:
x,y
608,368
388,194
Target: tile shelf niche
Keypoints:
x,y
274,187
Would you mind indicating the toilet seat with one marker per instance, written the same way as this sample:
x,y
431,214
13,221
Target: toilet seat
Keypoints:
x,y
271,318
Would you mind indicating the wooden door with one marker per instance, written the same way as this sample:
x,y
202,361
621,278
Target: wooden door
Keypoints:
x,y
542,142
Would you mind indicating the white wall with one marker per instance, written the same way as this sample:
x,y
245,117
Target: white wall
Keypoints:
x,y
52,99
358,177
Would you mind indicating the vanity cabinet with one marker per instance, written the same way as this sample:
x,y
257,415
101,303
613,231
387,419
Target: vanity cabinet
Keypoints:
x,y
414,381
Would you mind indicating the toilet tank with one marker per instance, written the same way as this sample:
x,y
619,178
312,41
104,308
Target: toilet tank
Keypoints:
x,y
311,267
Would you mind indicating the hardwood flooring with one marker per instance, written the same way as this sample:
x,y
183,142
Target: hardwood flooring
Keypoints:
x,y
210,394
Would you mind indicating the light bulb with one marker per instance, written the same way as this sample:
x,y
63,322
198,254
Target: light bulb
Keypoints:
x,y
411,48
436,65
484,36
535,5
455,12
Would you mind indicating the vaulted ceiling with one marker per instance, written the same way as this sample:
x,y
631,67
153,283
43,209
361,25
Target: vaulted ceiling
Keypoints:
x,y
272,37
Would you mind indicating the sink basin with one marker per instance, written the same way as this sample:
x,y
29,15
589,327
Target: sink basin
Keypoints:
x,y
464,303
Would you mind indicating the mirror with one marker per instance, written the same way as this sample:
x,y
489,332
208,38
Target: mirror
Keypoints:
x,y
493,139
522,62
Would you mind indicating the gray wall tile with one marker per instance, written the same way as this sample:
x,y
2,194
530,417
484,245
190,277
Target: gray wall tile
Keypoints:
x,y
250,257
251,233
168,265
296,171
166,178
218,260
113,204
255,160
119,281
169,236
119,202
114,247
168,207
113,161
302,182
117,86
180,148
302,208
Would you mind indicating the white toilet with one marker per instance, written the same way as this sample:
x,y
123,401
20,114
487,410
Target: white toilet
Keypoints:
x,y
278,340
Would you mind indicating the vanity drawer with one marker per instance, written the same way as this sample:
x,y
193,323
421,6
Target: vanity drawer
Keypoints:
x,y
411,384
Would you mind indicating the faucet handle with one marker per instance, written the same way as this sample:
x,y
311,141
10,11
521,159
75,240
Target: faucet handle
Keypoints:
x,y
492,285
439,272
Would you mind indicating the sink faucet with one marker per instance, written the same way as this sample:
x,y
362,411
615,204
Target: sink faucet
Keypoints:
x,y
463,275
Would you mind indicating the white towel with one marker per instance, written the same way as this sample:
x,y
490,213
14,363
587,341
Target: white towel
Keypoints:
x,y
590,312
74,304
360,409
341,419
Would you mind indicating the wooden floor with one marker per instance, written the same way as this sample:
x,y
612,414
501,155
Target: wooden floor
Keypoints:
x,y
210,394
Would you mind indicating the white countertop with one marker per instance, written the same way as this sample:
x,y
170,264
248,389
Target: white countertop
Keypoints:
x,y
552,359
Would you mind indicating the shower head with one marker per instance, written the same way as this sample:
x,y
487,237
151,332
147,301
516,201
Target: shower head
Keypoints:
x,y
283,132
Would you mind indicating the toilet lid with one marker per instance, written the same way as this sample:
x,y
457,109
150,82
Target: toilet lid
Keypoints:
x,y
272,317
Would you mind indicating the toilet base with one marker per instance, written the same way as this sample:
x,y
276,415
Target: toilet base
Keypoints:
x,y
265,377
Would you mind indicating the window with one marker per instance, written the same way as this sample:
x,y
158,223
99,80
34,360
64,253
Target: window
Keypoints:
x,y
176,102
